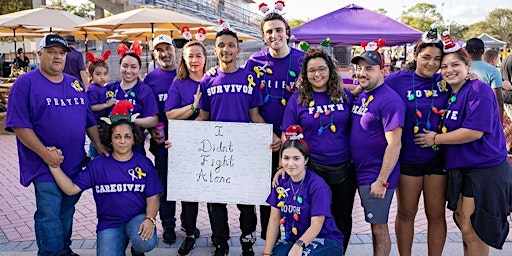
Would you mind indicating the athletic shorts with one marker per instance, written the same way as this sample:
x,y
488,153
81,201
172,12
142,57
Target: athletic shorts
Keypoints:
x,y
434,166
376,210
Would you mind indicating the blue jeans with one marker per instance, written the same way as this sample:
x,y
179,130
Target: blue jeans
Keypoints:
x,y
93,152
113,241
319,247
53,218
167,208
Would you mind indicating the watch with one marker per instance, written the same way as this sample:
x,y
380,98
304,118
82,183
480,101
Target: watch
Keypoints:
x,y
300,243
152,220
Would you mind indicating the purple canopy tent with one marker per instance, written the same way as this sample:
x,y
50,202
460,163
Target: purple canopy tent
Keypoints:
x,y
354,24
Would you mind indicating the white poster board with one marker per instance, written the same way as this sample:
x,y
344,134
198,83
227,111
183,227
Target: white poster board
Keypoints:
x,y
219,162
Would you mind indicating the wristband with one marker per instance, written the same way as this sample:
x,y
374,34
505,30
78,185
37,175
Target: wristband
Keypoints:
x,y
193,108
435,139
384,184
266,253
152,220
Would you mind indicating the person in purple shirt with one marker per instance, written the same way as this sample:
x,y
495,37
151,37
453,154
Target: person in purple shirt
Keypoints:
x,y
126,191
322,107
375,140
50,108
301,203
138,93
183,104
479,174
75,65
160,80
97,92
230,96
421,169
278,67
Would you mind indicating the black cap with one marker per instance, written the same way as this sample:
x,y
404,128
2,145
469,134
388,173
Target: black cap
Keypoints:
x,y
53,40
20,50
475,45
70,39
371,57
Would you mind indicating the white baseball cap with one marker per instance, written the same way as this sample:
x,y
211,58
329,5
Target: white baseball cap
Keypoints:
x,y
162,39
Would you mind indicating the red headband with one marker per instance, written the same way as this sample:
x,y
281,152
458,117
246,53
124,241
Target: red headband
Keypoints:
x,y
122,49
91,58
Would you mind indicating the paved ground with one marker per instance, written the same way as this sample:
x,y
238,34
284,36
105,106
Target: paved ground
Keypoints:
x,y
17,205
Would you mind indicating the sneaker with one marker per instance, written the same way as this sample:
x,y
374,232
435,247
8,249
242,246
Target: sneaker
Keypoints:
x,y
221,250
134,253
188,244
169,236
197,233
247,249
69,253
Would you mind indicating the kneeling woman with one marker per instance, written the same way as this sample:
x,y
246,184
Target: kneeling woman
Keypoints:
x,y
302,204
126,191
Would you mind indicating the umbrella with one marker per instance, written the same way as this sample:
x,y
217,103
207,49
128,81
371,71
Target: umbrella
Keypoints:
x,y
142,34
80,33
148,17
44,16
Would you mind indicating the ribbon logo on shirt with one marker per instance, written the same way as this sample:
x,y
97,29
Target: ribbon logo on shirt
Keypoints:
x,y
76,85
137,173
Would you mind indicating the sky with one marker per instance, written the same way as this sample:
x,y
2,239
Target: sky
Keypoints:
x,y
464,12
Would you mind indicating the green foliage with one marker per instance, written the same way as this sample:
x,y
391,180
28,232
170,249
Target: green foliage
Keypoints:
x,y
476,29
83,10
500,24
295,23
458,31
9,6
421,16
382,11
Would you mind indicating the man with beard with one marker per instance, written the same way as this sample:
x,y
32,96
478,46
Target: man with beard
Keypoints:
x,y
378,116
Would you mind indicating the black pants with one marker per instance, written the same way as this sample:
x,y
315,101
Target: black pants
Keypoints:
x,y
343,194
189,211
265,209
167,208
218,214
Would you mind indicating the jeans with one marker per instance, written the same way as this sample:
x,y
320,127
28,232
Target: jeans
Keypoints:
x,y
218,214
319,247
53,218
93,152
167,208
113,241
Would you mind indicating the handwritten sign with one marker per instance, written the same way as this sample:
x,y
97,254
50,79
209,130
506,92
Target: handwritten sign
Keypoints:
x,y
219,162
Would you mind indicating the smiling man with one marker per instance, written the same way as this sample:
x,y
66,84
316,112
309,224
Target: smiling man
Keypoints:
x,y
48,108
377,119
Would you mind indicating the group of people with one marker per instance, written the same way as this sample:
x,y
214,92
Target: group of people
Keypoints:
x,y
415,131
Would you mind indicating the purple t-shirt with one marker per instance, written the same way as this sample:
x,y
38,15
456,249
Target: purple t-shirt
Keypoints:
x,y
476,108
74,64
140,95
181,93
97,94
316,201
402,82
329,147
374,113
160,81
58,113
228,97
284,72
119,188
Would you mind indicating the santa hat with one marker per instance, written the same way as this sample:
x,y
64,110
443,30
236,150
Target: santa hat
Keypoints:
x,y
122,110
373,45
449,45
279,5
201,34
431,35
263,7
185,31
294,132
224,25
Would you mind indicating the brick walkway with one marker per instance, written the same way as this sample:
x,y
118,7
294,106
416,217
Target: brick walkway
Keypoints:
x,y
17,206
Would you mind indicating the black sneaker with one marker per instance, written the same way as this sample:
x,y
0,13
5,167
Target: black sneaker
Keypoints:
x,y
197,233
70,253
221,250
169,236
188,244
134,253
247,249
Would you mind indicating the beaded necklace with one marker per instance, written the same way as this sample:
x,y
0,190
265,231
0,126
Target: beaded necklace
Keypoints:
x,y
264,70
327,112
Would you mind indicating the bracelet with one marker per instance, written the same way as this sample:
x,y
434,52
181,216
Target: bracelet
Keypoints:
x,y
435,135
194,109
266,253
384,184
152,220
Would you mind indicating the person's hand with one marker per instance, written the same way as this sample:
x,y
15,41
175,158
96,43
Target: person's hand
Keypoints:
x,y
212,71
102,150
276,143
197,97
473,76
296,250
507,85
279,174
53,157
146,230
110,102
156,136
168,144
377,189
425,139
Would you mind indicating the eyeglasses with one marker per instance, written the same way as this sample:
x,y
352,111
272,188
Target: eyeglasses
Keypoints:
x,y
321,70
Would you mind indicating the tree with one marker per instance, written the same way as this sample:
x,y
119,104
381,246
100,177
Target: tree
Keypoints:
x,y
295,23
382,11
458,31
9,6
476,29
500,24
84,10
421,16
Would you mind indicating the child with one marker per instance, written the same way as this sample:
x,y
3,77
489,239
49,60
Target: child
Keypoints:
x,y
99,101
